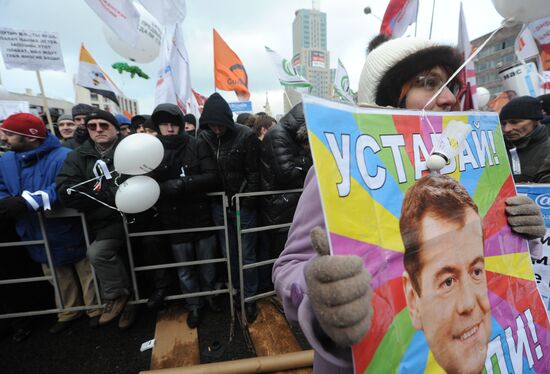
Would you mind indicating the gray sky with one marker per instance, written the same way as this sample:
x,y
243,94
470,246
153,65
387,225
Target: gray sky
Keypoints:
x,y
246,25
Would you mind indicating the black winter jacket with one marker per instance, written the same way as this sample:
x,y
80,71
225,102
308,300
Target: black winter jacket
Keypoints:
x,y
534,156
237,155
284,163
104,223
186,174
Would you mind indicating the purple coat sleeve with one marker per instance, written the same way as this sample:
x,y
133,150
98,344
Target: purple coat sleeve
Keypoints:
x,y
290,284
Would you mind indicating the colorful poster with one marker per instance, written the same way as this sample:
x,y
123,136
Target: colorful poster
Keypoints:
x,y
540,193
462,297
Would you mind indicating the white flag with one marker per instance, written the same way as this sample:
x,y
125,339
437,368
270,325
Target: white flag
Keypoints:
x,y
525,45
174,82
285,71
341,83
399,15
540,30
464,47
167,12
120,16
91,76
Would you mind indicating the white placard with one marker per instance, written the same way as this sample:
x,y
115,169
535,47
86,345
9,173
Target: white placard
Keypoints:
x,y
9,107
31,50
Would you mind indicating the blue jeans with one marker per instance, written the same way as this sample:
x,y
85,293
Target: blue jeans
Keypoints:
x,y
248,220
199,277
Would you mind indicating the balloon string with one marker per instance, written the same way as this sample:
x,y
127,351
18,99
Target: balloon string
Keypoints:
x,y
472,56
87,181
91,197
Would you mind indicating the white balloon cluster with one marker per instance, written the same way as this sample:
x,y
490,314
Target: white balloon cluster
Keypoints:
x,y
135,155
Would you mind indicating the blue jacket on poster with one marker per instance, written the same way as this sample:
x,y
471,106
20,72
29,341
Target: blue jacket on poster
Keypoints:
x,y
32,171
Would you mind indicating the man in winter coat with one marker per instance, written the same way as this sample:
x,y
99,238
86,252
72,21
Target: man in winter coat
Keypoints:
x,y
186,173
526,140
330,295
235,148
284,162
95,157
80,134
27,176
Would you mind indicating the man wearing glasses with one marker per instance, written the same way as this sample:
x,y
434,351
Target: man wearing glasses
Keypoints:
x,y
92,159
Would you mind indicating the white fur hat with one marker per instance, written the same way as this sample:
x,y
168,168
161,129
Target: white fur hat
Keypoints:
x,y
394,62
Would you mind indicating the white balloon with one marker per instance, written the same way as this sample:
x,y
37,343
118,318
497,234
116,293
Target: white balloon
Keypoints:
x,y
138,154
483,96
137,194
522,11
148,45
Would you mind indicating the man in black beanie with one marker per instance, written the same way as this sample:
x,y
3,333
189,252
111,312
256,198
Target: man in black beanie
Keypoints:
x,y
236,149
79,112
190,124
526,140
96,155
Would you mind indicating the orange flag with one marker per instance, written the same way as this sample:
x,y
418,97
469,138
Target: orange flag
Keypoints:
x,y
229,72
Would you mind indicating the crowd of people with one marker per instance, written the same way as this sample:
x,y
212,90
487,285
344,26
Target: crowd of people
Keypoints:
x,y
41,171
327,295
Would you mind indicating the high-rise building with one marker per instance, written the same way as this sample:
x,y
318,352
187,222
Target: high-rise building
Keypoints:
x,y
497,55
311,58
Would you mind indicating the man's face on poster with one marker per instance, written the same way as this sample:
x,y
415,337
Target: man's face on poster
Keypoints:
x,y
451,305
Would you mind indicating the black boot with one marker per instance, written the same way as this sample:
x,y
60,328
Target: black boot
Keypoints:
x,y
156,298
193,318
250,311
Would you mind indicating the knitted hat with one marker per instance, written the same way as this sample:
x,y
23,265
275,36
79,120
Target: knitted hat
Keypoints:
x,y
189,118
104,115
65,117
25,124
82,110
545,102
216,111
139,120
393,63
243,117
122,119
522,107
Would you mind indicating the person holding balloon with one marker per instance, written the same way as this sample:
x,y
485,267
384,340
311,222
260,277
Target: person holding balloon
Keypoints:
x,y
185,174
92,163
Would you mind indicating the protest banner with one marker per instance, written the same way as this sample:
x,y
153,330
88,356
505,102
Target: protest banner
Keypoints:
x,y
9,107
540,193
32,50
472,305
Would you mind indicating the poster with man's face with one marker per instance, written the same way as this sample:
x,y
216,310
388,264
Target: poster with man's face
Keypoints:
x,y
453,286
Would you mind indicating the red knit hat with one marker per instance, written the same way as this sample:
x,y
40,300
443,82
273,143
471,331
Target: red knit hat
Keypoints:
x,y
25,124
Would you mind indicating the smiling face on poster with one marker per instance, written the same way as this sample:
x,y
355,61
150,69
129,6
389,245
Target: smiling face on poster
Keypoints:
x,y
444,279
453,287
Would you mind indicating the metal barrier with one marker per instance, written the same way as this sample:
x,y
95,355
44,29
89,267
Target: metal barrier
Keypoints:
x,y
137,300
133,269
241,232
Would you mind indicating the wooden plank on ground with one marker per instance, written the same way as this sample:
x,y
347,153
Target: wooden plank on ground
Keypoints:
x,y
176,345
271,334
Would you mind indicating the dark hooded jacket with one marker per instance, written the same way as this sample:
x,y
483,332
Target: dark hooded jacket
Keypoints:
x,y
236,151
284,163
104,222
187,172
534,156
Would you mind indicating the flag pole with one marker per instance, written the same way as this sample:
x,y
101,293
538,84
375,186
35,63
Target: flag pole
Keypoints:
x,y
45,102
287,98
432,21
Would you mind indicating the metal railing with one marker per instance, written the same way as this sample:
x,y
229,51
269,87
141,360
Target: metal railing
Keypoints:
x,y
241,232
137,299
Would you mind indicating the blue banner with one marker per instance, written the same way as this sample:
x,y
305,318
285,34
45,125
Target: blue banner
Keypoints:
x,y
241,106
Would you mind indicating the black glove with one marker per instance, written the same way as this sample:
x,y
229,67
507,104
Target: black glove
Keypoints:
x,y
12,206
172,187
81,134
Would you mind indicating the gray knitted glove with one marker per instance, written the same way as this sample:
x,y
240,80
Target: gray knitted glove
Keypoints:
x,y
339,292
525,218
